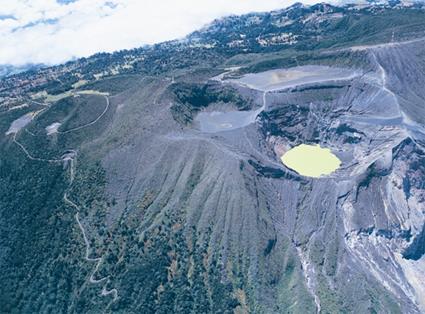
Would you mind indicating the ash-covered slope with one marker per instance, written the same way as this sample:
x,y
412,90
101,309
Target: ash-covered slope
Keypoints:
x,y
163,191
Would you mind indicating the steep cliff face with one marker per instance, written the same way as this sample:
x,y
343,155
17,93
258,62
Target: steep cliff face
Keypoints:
x,y
115,197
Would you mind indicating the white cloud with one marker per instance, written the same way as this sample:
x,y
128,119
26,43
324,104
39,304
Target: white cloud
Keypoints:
x,y
45,31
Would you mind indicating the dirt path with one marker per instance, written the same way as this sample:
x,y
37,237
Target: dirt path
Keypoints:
x,y
97,260
70,157
29,156
92,122
384,45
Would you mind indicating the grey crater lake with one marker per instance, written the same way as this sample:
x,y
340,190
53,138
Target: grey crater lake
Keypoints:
x,y
278,79
268,81
216,121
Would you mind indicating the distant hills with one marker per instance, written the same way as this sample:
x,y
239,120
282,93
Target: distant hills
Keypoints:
x,y
7,69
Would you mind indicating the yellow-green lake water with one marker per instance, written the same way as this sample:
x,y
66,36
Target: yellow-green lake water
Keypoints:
x,y
311,160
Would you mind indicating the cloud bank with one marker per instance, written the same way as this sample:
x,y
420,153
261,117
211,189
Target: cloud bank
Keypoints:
x,y
52,32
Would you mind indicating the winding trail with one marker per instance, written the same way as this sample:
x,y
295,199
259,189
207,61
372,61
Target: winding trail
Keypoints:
x,y
392,43
408,127
384,80
70,156
90,123
97,260
29,156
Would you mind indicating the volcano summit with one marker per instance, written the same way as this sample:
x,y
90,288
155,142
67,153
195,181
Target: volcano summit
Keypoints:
x,y
151,180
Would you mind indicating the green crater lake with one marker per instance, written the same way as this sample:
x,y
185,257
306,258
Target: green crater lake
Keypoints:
x,y
311,160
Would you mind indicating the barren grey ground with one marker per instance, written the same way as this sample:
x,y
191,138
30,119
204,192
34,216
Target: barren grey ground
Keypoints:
x,y
349,232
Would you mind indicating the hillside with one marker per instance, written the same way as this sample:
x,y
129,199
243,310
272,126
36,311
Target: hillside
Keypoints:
x,y
151,181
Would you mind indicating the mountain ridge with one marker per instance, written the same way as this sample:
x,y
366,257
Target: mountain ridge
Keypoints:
x,y
8,70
